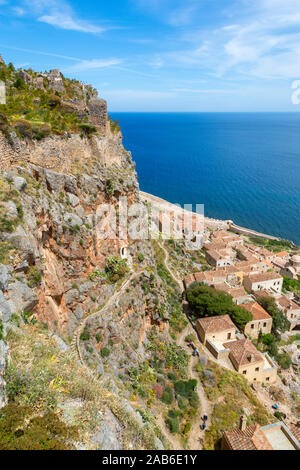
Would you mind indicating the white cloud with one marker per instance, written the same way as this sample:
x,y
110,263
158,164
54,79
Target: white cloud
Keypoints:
x,y
93,64
60,20
60,14
261,40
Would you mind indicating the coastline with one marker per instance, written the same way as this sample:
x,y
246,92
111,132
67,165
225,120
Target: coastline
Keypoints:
x,y
212,223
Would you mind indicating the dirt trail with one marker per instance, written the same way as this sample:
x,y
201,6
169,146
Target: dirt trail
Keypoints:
x,y
196,434
75,345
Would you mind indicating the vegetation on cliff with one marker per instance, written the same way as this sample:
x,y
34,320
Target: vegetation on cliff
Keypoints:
x,y
34,110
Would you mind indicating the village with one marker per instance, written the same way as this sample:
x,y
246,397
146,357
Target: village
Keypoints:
x,y
254,277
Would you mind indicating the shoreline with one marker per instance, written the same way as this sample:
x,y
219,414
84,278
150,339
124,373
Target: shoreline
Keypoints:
x,y
214,223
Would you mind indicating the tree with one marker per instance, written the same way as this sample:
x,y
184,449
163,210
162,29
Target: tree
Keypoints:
x,y
207,302
280,322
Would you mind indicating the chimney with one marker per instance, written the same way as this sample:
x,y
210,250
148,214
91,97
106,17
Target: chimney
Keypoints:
x,y
243,423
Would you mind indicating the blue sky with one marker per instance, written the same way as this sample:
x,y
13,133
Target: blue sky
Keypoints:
x,y
163,55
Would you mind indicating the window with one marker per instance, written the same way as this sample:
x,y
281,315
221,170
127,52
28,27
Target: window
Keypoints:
x,y
268,379
252,326
265,324
244,372
257,369
229,336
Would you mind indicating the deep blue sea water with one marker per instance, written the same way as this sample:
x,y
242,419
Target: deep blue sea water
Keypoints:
x,y
242,166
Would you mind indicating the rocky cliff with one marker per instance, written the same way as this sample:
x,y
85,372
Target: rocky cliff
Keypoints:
x,y
77,310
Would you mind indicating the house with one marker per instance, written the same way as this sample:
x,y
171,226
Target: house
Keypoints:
x,y
261,321
216,329
276,436
238,293
248,361
292,268
221,257
252,364
291,310
264,281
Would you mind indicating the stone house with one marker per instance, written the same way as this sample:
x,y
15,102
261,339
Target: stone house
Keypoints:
x,y
216,329
261,321
291,310
264,281
249,362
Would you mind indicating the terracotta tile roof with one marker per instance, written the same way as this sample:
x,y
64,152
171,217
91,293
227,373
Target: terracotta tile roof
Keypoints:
x,y
215,324
235,292
261,277
189,279
257,311
252,438
288,304
263,293
282,254
295,430
243,351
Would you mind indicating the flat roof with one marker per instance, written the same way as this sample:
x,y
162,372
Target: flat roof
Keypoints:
x,y
280,437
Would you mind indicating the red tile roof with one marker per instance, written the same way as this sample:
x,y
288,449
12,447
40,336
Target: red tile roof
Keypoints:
x,y
252,438
215,324
257,311
243,352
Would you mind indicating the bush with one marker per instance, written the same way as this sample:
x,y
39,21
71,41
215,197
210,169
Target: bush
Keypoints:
x,y
173,424
85,335
185,388
284,361
34,276
167,396
22,429
105,352
116,268
88,129
172,376
183,403
141,257
174,414
1,331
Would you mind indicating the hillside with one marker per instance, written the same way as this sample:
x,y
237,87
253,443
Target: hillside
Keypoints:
x,y
92,329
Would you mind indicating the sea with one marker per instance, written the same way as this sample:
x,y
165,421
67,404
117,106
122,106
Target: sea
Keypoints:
x,y
242,166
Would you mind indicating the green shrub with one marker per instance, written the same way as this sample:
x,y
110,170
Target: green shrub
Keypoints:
x,y
85,335
98,338
88,129
174,414
167,396
172,376
185,388
1,331
140,257
173,425
34,276
280,322
183,403
105,352
116,268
